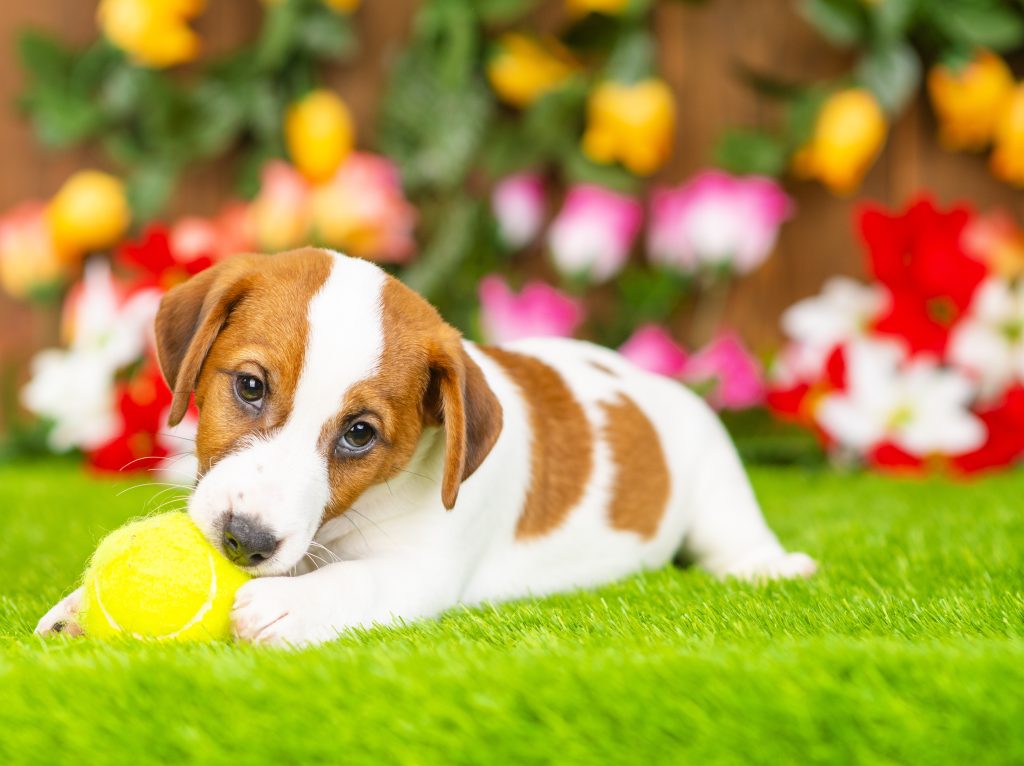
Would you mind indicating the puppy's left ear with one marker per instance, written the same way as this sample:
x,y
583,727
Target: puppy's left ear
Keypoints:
x,y
459,398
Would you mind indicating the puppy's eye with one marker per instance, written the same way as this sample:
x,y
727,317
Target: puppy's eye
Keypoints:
x,y
250,389
357,438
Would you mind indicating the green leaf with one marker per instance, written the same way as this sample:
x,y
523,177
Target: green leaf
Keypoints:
x,y
840,21
802,115
326,35
502,11
46,59
632,56
61,119
149,187
578,168
751,152
980,23
892,73
892,18
451,243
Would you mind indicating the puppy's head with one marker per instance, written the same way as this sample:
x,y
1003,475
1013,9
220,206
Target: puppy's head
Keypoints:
x,y
315,376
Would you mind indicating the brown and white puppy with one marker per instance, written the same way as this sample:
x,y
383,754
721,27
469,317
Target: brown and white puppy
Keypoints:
x,y
371,466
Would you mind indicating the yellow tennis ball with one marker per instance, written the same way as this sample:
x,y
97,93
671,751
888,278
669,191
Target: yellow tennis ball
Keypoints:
x,y
159,578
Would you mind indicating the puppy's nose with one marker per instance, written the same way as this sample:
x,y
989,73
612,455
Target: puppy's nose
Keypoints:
x,y
247,542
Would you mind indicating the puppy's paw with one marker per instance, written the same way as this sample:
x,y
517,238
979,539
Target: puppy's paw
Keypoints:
x,y
274,611
62,619
780,566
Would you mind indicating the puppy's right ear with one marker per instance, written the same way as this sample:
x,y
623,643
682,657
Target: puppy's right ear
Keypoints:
x,y
189,319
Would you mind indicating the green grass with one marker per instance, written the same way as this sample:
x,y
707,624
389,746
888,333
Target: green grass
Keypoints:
x,y
907,647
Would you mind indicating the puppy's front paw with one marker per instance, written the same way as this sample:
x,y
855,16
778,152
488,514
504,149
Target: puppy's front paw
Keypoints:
x,y
781,566
62,619
274,611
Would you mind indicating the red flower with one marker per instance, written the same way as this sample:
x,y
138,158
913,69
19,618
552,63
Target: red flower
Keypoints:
x,y
798,400
143,402
1005,443
919,257
153,257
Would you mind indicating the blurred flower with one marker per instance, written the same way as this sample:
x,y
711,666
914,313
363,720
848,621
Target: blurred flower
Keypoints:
x,y
918,255
154,33
592,235
1004,442
539,310
155,263
363,212
279,216
844,310
107,329
989,342
142,405
996,240
797,389
914,405
651,348
848,135
524,68
726,373
630,123
518,204
89,212
29,260
968,102
213,238
607,7
716,219
319,132
344,6
1007,160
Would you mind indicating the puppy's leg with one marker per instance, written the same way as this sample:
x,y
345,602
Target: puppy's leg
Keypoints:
x,y
728,535
317,607
63,617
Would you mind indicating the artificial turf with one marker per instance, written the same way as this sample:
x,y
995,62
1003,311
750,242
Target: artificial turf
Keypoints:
x,y
907,647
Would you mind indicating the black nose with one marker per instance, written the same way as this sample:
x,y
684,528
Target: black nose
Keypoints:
x,y
246,542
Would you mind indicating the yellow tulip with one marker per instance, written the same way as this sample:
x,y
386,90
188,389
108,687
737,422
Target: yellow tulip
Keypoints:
x,y
343,6
968,103
524,69
607,7
849,132
1007,161
89,212
319,132
29,258
630,123
153,32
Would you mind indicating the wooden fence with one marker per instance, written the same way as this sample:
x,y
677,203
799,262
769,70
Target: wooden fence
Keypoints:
x,y
700,45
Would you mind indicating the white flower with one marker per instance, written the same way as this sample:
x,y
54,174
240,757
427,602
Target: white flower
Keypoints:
x,y
989,342
842,311
181,466
915,405
74,388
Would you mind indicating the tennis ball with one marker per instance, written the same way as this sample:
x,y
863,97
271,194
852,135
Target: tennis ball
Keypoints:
x,y
159,578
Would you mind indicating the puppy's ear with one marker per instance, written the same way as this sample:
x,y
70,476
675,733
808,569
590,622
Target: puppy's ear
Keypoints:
x,y
189,319
459,398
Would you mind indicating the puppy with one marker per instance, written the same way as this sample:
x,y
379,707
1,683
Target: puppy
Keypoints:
x,y
369,466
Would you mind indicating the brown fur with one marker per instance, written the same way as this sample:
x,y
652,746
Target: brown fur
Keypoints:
x,y
640,489
246,314
562,448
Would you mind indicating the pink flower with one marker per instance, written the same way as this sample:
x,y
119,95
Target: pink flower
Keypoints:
x,y
716,219
216,238
363,212
593,233
279,216
29,259
539,310
518,204
735,376
651,348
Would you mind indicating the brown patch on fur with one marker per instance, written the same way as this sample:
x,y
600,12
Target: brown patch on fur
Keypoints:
x,y
603,368
247,313
562,448
641,485
425,379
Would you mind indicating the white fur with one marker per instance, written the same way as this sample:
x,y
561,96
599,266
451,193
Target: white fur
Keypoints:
x,y
398,555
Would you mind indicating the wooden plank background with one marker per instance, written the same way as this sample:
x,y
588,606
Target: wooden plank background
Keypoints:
x,y
699,47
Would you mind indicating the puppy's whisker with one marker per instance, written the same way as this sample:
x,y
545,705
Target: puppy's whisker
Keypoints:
x,y
149,484
169,435
419,475
375,524
327,550
136,460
